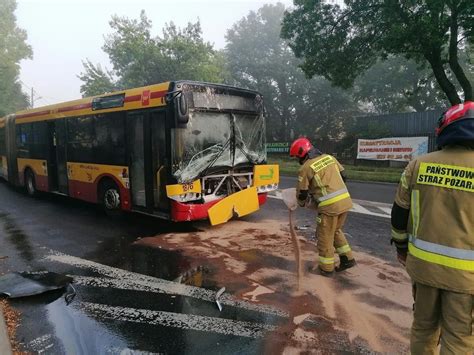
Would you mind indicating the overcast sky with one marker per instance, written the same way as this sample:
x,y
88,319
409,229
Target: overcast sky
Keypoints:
x,y
62,33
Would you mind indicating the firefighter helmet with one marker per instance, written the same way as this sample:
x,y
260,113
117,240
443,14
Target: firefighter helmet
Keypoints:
x,y
300,147
456,125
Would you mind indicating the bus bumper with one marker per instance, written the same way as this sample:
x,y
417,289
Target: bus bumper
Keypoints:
x,y
181,212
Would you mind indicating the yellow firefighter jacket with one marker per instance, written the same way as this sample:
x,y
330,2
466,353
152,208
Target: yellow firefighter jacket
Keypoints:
x,y
321,176
438,189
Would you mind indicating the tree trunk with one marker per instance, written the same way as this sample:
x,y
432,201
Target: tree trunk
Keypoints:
x,y
454,60
434,58
285,119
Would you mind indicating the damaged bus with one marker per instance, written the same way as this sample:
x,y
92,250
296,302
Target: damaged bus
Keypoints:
x,y
178,150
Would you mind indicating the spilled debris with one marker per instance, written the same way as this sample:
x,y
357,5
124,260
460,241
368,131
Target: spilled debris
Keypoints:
x,y
24,284
218,295
367,309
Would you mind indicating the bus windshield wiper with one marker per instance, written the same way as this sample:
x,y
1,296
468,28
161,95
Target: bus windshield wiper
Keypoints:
x,y
218,155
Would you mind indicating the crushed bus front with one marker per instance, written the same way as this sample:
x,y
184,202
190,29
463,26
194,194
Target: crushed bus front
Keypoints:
x,y
220,197
218,153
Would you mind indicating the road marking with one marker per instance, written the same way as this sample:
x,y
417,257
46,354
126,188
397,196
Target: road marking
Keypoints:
x,y
385,208
178,320
40,344
126,279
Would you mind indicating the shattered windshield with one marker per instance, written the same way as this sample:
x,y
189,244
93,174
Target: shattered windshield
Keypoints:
x,y
213,139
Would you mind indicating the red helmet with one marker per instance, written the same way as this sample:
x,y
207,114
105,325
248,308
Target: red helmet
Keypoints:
x,y
456,125
455,113
300,147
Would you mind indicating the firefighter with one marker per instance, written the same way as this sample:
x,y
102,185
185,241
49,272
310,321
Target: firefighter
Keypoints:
x,y
433,230
321,185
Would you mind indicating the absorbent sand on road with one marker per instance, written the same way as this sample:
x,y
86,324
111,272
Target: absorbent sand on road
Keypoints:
x,y
365,309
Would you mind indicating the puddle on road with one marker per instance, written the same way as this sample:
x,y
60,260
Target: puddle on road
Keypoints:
x,y
170,265
17,237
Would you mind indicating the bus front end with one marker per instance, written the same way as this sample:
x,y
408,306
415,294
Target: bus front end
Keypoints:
x,y
218,153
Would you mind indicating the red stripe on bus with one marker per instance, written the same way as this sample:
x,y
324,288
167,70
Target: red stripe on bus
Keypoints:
x,y
34,114
75,107
158,94
181,212
133,98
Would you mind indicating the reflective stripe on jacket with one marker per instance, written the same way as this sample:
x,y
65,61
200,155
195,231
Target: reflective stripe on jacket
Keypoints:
x,y
438,189
321,176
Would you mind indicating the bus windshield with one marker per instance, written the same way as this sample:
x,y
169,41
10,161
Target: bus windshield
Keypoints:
x,y
217,139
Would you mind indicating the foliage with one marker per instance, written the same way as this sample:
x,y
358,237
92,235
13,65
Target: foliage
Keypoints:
x,y
13,48
140,59
96,80
363,173
342,42
259,59
398,85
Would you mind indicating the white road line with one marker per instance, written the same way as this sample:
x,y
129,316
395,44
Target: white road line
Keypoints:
x,y
178,320
358,208
40,344
122,279
387,210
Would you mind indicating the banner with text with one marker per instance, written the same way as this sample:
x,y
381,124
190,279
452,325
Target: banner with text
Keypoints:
x,y
397,148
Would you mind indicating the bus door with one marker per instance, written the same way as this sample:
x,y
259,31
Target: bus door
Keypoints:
x,y
147,162
57,169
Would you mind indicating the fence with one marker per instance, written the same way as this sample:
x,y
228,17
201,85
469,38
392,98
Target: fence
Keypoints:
x,y
413,124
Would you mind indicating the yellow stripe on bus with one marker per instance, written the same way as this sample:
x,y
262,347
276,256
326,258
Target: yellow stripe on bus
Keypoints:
x,y
179,189
3,167
54,111
38,166
85,172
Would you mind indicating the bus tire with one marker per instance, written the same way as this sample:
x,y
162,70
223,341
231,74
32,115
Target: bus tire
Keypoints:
x,y
109,195
30,184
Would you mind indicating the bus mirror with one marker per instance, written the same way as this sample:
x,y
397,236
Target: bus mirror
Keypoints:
x,y
182,110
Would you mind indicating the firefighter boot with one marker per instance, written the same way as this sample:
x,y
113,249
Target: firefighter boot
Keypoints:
x,y
345,263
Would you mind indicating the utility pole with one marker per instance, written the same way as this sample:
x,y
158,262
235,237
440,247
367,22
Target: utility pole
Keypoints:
x,y
33,98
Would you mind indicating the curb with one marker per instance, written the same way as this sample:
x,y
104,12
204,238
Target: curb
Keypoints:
x,y
5,347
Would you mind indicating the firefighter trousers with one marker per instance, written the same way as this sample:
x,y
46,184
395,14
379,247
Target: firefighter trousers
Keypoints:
x,y
330,236
446,313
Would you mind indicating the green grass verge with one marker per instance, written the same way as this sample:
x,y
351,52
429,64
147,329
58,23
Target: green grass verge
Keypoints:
x,y
363,173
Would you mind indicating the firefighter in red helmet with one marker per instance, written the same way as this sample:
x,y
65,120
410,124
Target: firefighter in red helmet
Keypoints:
x,y
321,183
433,230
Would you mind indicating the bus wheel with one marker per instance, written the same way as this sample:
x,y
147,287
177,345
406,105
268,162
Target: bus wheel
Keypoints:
x,y
110,196
30,184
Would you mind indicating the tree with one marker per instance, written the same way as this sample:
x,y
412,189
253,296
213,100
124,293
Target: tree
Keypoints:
x,y
140,59
259,59
13,48
342,42
96,80
398,85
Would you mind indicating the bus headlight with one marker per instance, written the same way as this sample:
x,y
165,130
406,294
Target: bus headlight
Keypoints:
x,y
267,188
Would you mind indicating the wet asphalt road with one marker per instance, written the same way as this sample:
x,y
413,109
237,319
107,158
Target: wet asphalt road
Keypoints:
x,y
123,300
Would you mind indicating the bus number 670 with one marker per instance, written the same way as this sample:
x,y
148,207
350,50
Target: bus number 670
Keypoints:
x,y
188,187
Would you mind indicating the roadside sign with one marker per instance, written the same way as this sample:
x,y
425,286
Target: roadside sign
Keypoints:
x,y
394,148
278,147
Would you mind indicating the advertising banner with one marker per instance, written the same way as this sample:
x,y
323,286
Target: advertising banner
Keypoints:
x,y
278,147
396,148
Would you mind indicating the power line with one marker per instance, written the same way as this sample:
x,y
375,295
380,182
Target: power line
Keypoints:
x,y
34,95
